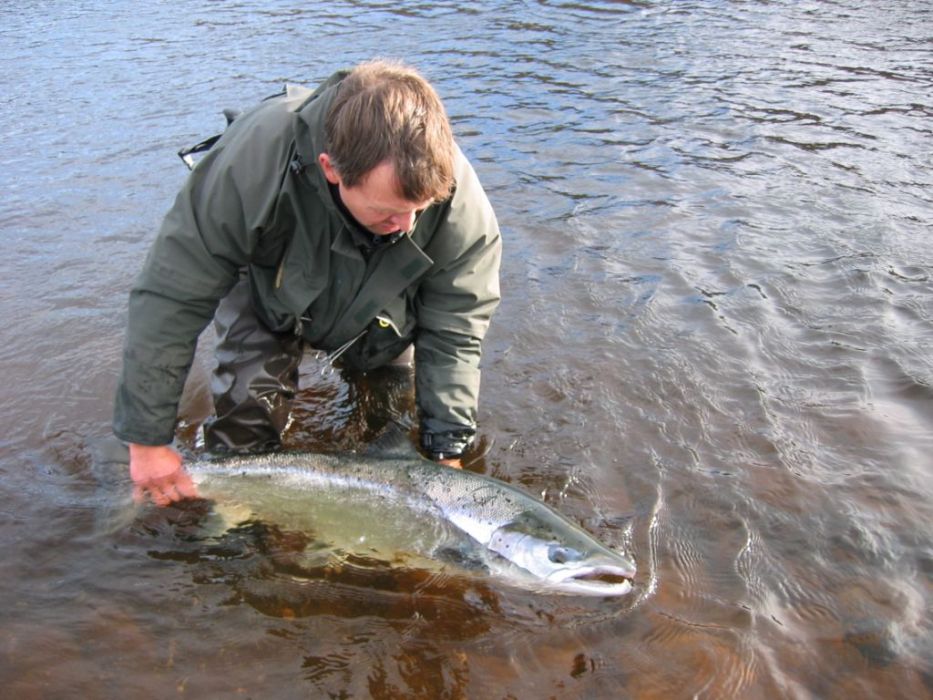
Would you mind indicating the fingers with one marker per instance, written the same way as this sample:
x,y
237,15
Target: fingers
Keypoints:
x,y
167,490
185,486
157,472
163,495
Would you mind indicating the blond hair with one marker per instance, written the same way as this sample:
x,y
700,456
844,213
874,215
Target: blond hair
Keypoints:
x,y
387,111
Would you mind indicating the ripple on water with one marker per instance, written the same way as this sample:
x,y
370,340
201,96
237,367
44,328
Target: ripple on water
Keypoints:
x,y
715,331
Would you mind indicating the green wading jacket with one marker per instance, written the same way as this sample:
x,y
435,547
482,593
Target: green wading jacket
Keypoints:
x,y
258,200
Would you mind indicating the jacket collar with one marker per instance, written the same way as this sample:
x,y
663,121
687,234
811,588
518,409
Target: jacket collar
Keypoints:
x,y
400,265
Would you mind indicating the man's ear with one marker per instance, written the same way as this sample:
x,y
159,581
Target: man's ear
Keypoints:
x,y
330,172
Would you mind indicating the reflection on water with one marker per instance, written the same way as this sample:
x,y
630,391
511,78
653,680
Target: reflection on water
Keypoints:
x,y
713,351
285,574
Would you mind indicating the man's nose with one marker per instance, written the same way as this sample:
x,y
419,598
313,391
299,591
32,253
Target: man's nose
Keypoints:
x,y
404,222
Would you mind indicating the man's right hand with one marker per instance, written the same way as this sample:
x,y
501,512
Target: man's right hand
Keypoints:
x,y
157,471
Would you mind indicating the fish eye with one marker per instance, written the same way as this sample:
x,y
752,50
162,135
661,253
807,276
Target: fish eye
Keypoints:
x,y
561,555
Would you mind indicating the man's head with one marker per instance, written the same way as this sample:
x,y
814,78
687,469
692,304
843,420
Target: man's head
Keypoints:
x,y
388,145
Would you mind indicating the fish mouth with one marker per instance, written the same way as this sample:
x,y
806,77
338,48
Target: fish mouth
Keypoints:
x,y
594,580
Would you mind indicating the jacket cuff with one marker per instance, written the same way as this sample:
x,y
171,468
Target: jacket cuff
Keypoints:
x,y
448,444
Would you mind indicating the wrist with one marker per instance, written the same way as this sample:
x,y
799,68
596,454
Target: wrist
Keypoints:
x,y
137,449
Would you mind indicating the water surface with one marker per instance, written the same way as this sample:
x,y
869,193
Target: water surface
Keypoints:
x,y
713,352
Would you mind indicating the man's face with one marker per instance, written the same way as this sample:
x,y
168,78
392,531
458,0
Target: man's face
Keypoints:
x,y
375,201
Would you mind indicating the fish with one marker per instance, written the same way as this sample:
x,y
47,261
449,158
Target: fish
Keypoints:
x,y
388,503
394,499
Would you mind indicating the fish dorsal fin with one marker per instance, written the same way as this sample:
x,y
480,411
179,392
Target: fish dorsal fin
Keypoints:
x,y
394,442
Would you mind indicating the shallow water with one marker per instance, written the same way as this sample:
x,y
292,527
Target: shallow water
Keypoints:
x,y
713,352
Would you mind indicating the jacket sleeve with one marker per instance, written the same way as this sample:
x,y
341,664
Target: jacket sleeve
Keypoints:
x,y
454,306
206,238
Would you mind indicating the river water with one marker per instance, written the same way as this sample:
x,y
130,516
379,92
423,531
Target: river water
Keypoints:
x,y
713,351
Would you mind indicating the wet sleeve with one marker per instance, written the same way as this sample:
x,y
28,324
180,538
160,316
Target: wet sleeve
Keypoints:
x,y
454,307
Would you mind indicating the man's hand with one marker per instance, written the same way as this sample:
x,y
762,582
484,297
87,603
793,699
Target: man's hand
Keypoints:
x,y
455,463
157,471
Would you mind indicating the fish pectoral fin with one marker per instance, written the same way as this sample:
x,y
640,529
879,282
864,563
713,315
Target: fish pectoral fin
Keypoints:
x,y
394,442
468,558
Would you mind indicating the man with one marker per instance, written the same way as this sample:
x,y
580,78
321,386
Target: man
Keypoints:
x,y
346,220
